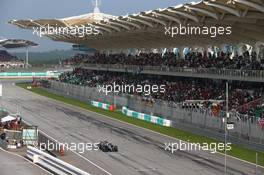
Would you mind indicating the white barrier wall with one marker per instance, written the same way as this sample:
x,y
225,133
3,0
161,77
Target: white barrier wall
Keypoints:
x,y
102,105
146,117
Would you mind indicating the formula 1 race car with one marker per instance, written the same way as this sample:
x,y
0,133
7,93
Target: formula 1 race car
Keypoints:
x,y
105,146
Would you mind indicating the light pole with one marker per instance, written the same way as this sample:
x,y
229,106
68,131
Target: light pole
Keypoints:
x,y
225,123
26,57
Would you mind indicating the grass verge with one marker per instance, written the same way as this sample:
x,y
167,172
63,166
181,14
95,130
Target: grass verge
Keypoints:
x,y
236,151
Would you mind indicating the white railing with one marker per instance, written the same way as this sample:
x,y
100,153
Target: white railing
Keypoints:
x,y
52,163
189,71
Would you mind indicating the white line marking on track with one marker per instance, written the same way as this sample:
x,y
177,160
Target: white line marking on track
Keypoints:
x,y
152,131
77,107
97,166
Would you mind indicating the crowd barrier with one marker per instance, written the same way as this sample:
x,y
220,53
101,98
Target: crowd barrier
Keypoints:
x,y
51,163
249,75
28,74
146,117
103,105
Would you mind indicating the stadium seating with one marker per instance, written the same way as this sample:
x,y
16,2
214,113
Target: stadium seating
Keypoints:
x,y
245,97
7,60
191,60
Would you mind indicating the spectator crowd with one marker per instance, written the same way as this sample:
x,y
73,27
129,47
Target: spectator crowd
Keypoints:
x,y
191,60
9,61
178,90
245,98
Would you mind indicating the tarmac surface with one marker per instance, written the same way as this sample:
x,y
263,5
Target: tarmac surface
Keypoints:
x,y
141,152
12,164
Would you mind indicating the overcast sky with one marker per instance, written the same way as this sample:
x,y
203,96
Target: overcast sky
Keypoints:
x,y
39,9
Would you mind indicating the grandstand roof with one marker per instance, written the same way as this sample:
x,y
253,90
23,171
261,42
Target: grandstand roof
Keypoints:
x,y
147,29
16,43
63,22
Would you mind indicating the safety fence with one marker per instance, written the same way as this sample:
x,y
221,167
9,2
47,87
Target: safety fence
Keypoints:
x,y
199,121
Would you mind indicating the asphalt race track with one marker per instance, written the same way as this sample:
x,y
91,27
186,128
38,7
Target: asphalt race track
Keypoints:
x,y
141,152
12,164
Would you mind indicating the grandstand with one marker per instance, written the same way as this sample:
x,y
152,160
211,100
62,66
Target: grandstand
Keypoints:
x,y
170,59
136,50
14,44
9,61
147,29
178,89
